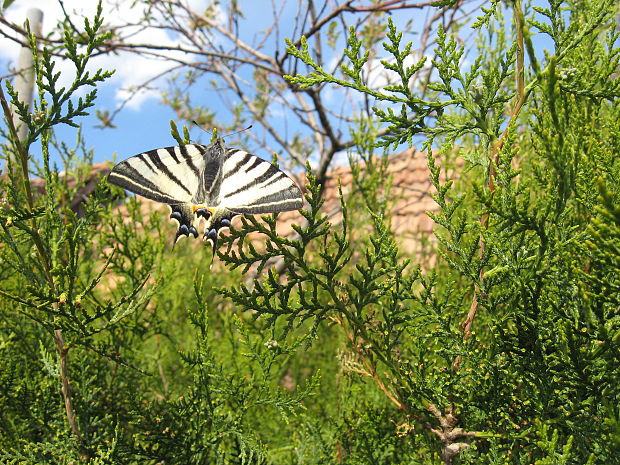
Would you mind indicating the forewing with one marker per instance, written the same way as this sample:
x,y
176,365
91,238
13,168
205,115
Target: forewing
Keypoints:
x,y
252,185
169,175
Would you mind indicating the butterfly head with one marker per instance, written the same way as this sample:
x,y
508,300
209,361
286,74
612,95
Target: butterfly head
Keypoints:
x,y
217,144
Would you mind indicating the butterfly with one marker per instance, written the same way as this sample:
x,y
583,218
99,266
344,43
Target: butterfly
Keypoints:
x,y
213,183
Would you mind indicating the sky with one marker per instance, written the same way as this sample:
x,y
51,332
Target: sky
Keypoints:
x,y
143,123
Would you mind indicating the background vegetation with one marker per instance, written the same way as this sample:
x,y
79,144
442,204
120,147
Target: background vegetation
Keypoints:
x,y
116,349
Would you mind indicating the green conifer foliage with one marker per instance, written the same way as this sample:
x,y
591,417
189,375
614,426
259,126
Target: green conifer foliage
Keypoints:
x,y
504,348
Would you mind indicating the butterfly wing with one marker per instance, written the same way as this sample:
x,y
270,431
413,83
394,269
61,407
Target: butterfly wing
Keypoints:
x,y
213,182
172,175
252,185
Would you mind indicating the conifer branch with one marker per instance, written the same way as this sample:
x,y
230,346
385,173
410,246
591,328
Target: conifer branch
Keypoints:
x,y
494,161
61,348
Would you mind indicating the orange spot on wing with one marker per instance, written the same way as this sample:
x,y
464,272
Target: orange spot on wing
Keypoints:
x,y
198,207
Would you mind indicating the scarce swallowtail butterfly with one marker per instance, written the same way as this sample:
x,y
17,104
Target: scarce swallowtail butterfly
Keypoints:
x,y
210,183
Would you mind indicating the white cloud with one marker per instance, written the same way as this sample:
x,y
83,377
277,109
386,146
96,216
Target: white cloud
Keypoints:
x,y
376,76
132,70
379,77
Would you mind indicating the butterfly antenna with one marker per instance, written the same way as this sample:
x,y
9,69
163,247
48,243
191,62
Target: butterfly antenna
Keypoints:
x,y
214,133
239,131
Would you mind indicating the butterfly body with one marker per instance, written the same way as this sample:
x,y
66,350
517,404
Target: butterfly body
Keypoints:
x,y
207,184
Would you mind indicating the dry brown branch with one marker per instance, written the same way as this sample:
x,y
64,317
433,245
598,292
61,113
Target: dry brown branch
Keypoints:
x,y
215,48
393,5
318,25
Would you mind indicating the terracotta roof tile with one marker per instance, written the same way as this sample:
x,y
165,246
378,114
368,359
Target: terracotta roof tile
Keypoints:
x,y
411,189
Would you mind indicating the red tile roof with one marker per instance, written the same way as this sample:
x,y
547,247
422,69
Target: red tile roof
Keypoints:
x,y
409,198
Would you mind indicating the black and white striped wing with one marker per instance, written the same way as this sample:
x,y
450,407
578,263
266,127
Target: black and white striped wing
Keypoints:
x,y
252,185
170,175
209,182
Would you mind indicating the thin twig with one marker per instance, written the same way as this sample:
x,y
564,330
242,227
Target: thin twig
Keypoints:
x,y
317,26
371,369
392,5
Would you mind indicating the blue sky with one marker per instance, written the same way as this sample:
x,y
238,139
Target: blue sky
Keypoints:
x,y
141,125
144,123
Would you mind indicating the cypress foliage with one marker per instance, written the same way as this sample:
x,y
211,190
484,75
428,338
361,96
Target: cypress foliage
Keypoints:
x,y
115,349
